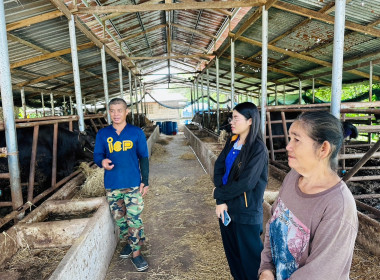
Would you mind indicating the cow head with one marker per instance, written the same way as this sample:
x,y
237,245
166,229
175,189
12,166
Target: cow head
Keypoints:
x,y
87,144
87,139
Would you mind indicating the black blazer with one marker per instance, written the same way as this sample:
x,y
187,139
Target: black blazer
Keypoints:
x,y
244,197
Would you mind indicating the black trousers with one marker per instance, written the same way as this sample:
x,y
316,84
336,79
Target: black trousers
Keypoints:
x,y
243,247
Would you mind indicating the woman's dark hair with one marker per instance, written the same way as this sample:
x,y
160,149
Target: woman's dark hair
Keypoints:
x,y
249,111
321,126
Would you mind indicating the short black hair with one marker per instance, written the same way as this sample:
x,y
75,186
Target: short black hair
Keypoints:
x,y
117,100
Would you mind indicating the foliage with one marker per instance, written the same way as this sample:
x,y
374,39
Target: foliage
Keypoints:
x,y
348,91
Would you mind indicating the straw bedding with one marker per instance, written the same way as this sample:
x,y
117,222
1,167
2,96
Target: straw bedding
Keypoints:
x,y
187,156
33,263
158,153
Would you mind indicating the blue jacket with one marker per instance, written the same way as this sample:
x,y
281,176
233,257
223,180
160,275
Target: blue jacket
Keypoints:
x,y
124,151
244,197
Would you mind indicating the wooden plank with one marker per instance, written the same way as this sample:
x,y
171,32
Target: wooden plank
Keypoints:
x,y
170,57
270,137
45,78
367,196
115,15
49,55
368,208
169,40
33,20
357,155
169,7
368,30
368,128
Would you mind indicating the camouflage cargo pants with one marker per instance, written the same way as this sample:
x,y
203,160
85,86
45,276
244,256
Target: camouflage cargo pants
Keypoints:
x,y
126,206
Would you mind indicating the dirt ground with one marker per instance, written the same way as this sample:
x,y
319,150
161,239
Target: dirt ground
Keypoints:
x,y
183,240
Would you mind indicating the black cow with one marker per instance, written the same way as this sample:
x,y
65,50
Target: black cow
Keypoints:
x,y
88,135
70,150
349,130
226,124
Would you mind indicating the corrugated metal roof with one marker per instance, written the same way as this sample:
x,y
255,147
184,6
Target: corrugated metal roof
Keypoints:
x,y
288,31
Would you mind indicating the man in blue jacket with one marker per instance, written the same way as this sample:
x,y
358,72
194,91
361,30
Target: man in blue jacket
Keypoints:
x,y
121,149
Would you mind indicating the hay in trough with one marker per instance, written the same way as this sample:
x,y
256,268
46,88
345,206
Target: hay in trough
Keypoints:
x,y
158,152
222,137
163,141
208,139
94,184
187,156
34,263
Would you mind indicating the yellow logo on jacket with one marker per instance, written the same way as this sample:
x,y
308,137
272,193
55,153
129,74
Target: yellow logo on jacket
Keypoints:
x,y
119,146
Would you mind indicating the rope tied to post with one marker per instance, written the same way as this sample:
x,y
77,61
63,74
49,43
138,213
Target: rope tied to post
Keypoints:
x,y
4,153
30,205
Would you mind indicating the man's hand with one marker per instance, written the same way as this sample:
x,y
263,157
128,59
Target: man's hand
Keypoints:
x,y
143,189
107,164
266,275
220,210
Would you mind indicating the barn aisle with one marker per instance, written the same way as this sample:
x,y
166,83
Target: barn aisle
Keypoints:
x,y
183,240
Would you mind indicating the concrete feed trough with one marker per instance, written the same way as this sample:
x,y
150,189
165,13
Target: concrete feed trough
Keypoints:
x,y
85,226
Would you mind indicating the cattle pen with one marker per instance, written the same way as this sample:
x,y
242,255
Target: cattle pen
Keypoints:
x,y
187,62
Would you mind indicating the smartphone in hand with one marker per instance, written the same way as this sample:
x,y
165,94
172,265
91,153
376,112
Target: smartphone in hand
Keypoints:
x,y
227,218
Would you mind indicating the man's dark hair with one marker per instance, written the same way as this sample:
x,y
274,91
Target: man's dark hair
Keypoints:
x,y
118,100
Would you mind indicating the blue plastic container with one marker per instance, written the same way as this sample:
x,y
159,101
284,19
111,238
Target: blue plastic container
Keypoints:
x,y
159,125
169,128
163,130
175,128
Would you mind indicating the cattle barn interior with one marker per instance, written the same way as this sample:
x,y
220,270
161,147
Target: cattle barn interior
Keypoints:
x,y
62,61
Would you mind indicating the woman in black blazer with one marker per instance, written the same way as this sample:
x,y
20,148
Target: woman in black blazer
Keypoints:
x,y
240,178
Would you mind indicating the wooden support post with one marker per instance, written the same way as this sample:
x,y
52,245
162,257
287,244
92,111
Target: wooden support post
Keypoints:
x,y
285,128
270,136
32,167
